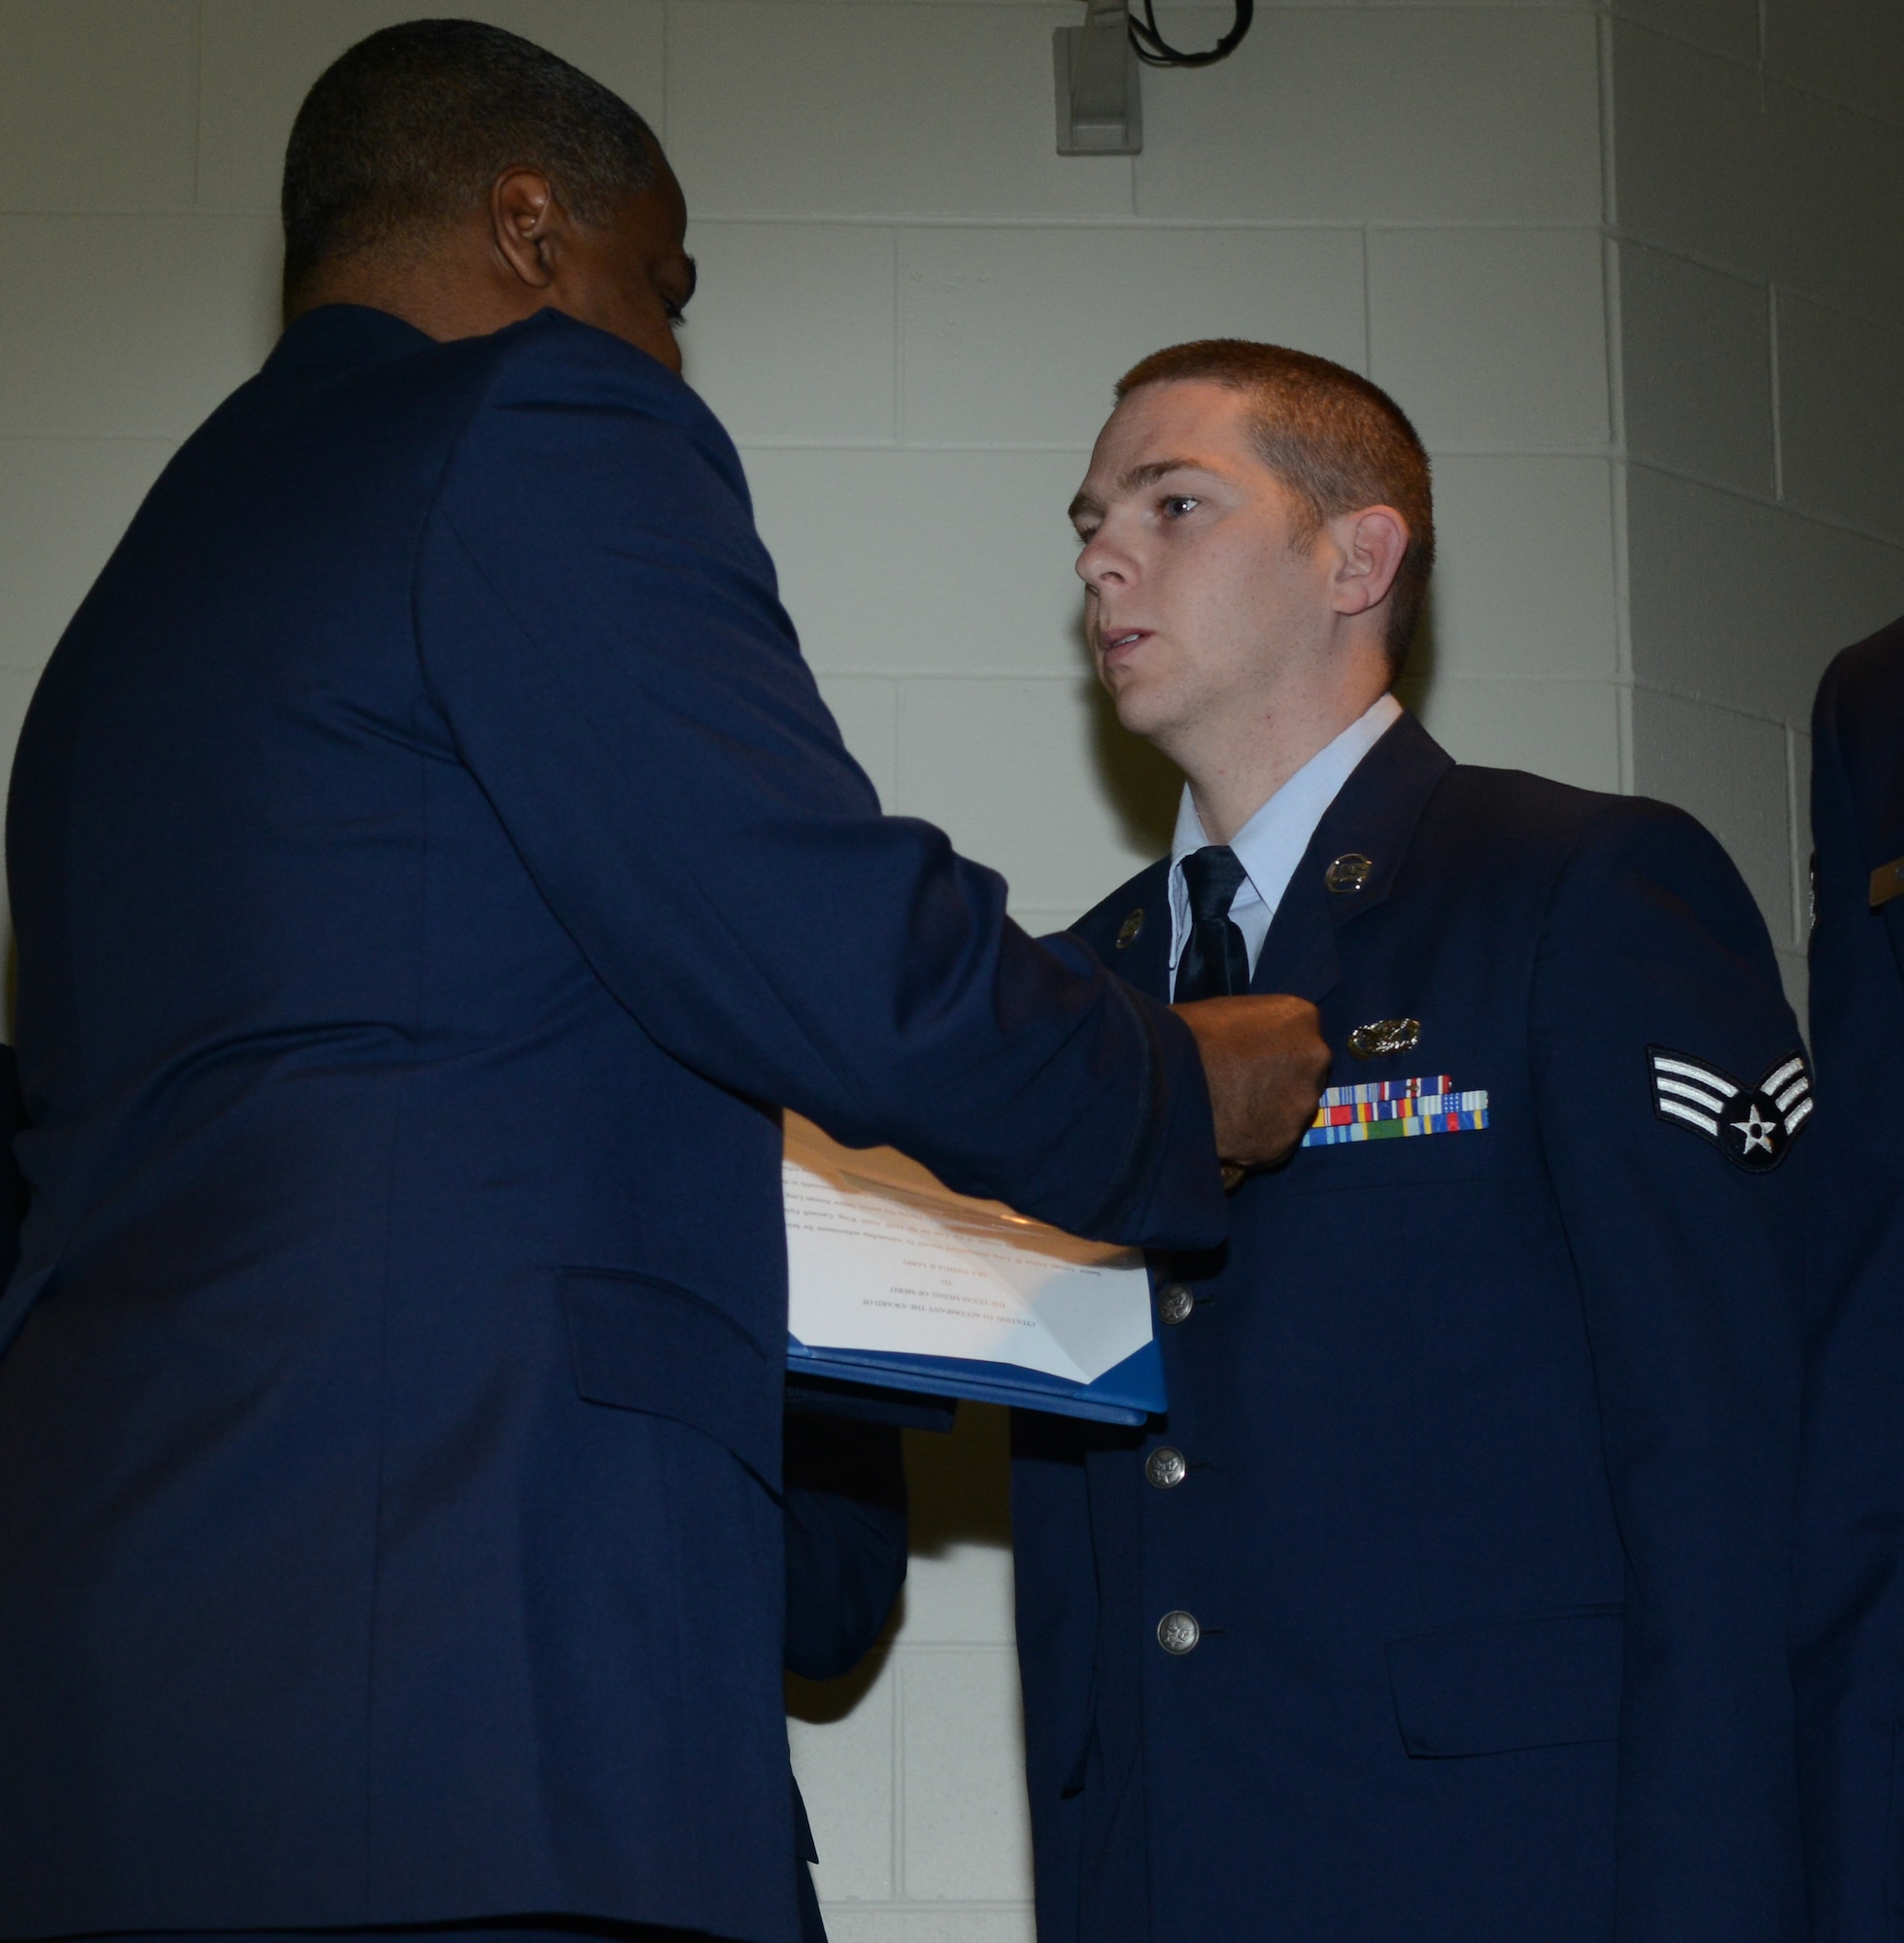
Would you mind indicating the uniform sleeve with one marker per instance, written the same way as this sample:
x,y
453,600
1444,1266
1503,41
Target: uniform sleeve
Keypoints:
x,y
846,1539
598,626
1850,1663
1690,1268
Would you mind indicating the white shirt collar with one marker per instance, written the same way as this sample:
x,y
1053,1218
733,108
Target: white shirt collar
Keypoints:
x,y
1270,844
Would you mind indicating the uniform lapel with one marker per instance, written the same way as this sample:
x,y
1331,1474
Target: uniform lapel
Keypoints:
x,y
1369,823
1146,961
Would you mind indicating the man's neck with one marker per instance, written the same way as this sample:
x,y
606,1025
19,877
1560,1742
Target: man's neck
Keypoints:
x,y
1234,770
446,288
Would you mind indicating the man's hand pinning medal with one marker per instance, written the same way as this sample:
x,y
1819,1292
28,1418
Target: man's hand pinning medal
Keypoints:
x,y
1266,1062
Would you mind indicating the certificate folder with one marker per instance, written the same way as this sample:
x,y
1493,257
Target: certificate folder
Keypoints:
x,y
1128,1393
896,1281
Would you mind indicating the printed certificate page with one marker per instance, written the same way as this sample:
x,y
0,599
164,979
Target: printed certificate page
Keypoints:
x,y
882,1257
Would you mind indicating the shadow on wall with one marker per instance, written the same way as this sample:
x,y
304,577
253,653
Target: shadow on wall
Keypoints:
x,y
1140,785
961,1492
1418,671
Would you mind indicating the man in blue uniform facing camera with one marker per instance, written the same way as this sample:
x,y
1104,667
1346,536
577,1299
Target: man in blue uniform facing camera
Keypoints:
x,y
1448,1602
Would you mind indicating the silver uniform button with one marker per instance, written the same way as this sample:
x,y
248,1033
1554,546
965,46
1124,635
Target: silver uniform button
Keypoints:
x,y
1166,1468
1178,1632
1176,1303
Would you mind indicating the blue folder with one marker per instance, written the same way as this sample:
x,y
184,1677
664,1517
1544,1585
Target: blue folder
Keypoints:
x,y
1127,1393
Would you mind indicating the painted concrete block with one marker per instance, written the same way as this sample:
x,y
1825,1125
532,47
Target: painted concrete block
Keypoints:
x,y
1492,339
958,1592
967,1830
931,1926
1850,51
792,334
1036,779
1696,363
866,710
1349,115
1728,27
947,562
97,104
1834,216
1840,406
131,326
1744,604
1523,583
1016,336
1569,731
63,505
841,1733
1691,156
1730,772
791,107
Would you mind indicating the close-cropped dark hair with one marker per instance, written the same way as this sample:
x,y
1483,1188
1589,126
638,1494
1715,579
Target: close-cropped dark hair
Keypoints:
x,y
412,127
1335,441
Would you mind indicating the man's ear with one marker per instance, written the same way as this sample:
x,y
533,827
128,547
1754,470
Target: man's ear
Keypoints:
x,y
1369,547
525,226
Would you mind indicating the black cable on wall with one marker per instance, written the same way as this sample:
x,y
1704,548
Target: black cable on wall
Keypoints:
x,y
1155,52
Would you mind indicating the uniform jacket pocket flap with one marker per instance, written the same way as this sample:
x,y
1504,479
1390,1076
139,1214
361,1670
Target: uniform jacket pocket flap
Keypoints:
x,y
642,1343
1545,1681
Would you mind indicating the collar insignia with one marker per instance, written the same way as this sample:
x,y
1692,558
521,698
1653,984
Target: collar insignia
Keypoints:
x,y
1127,932
1347,874
1751,1126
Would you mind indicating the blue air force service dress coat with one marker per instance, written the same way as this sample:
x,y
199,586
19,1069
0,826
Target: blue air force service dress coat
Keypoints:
x,y
432,863
845,1496
1851,1636
1450,1602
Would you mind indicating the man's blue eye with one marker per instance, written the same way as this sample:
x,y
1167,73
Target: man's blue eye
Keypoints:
x,y
1178,505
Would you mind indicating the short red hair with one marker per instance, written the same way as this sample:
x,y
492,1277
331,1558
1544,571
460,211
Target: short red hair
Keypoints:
x,y
1335,441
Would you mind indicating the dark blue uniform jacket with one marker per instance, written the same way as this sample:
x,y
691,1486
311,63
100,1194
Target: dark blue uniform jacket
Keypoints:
x,y
1490,1435
433,864
1850,1642
846,1558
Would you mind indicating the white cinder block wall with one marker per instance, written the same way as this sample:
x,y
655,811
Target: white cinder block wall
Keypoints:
x,y
1758,207
1628,271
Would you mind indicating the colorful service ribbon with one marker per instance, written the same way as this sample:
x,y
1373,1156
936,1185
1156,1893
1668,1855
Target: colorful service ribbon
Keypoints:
x,y
1388,1110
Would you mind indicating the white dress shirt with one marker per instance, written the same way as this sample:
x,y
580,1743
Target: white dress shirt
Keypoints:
x,y
1270,844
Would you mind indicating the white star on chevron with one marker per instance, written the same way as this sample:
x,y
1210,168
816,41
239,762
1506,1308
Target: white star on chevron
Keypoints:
x,y
1758,1133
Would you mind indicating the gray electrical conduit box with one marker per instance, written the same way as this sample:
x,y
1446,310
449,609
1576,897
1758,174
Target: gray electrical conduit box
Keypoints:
x,y
1097,79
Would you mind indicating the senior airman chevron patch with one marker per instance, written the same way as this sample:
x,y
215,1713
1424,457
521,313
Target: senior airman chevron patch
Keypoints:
x,y
1751,1126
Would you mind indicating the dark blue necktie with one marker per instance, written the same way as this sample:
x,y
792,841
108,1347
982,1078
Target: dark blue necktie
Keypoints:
x,y
1216,959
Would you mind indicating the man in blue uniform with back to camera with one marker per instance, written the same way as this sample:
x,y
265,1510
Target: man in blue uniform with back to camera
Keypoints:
x,y
1851,1576
1450,1601
433,867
